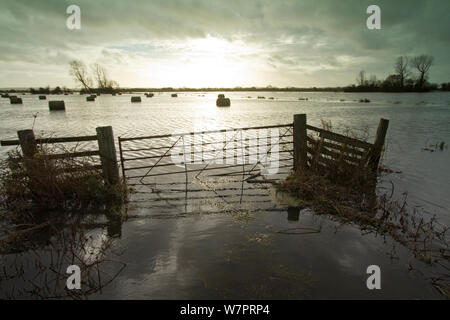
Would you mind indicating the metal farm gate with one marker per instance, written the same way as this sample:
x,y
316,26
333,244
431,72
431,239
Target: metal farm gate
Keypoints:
x,y
253,154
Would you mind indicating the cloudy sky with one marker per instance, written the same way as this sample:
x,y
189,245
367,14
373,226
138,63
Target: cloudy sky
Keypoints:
x,y
212,43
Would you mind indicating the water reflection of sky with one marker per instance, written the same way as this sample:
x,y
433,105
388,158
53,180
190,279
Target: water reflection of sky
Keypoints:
x,y
197,249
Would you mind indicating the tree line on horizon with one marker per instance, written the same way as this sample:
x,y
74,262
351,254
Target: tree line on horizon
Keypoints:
x,y
410,75
402,80
47,90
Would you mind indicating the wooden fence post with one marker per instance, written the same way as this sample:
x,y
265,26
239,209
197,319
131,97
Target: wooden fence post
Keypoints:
x,y
32,165
108,157
300,154
27,142
378,144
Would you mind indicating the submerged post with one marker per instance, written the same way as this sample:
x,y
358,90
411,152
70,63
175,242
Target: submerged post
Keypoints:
x,y
107,152
300,154
27,143
378,144
32,165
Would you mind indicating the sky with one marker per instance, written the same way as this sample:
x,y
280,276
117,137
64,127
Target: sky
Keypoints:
x,y
212,43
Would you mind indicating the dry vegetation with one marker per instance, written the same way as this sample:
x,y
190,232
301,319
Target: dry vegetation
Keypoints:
x,y
44,206
47,183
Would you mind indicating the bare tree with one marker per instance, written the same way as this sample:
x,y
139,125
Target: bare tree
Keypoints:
x,y
423,64
78,71
100,76
361,79
401,69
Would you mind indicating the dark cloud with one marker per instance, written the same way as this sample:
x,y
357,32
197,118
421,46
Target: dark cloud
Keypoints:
x,y
289,36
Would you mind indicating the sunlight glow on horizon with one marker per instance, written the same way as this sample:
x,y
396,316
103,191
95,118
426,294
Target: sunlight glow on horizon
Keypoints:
x,y
197,63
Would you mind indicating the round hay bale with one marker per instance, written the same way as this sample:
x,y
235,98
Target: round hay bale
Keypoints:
x,y
15,100
56,105
174,95
136,99
223,102
91,98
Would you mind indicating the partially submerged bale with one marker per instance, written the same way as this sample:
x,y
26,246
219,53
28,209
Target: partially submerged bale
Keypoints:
x,y
56,105
42,97
91,97
136,99
15,100
222,101
149,95
174,95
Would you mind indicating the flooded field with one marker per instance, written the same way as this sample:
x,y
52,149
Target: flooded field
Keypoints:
x,y
219,237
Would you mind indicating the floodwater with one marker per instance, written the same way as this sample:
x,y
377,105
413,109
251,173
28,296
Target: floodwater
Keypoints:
x,y
217,237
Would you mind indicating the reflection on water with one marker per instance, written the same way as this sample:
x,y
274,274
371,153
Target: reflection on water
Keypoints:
x,y
221,238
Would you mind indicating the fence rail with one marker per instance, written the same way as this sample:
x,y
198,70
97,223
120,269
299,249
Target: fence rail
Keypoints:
x,y
106,150
330,148
296,145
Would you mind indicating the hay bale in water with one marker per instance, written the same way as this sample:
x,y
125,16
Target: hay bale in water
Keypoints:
x,y
135,99
42,97
56,105
222,101
261,97
91,98
364,100
174,95
15,100
149,95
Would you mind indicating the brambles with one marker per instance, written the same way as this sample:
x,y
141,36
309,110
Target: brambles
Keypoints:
x,y
48,182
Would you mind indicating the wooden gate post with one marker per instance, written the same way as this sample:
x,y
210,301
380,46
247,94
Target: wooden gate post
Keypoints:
x,y
29,149
378,144
300,154
107,152
27,143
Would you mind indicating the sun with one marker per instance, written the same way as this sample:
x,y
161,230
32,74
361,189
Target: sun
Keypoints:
x,y
211,62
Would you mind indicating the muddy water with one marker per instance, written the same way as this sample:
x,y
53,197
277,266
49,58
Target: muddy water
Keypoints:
x,y
225,239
